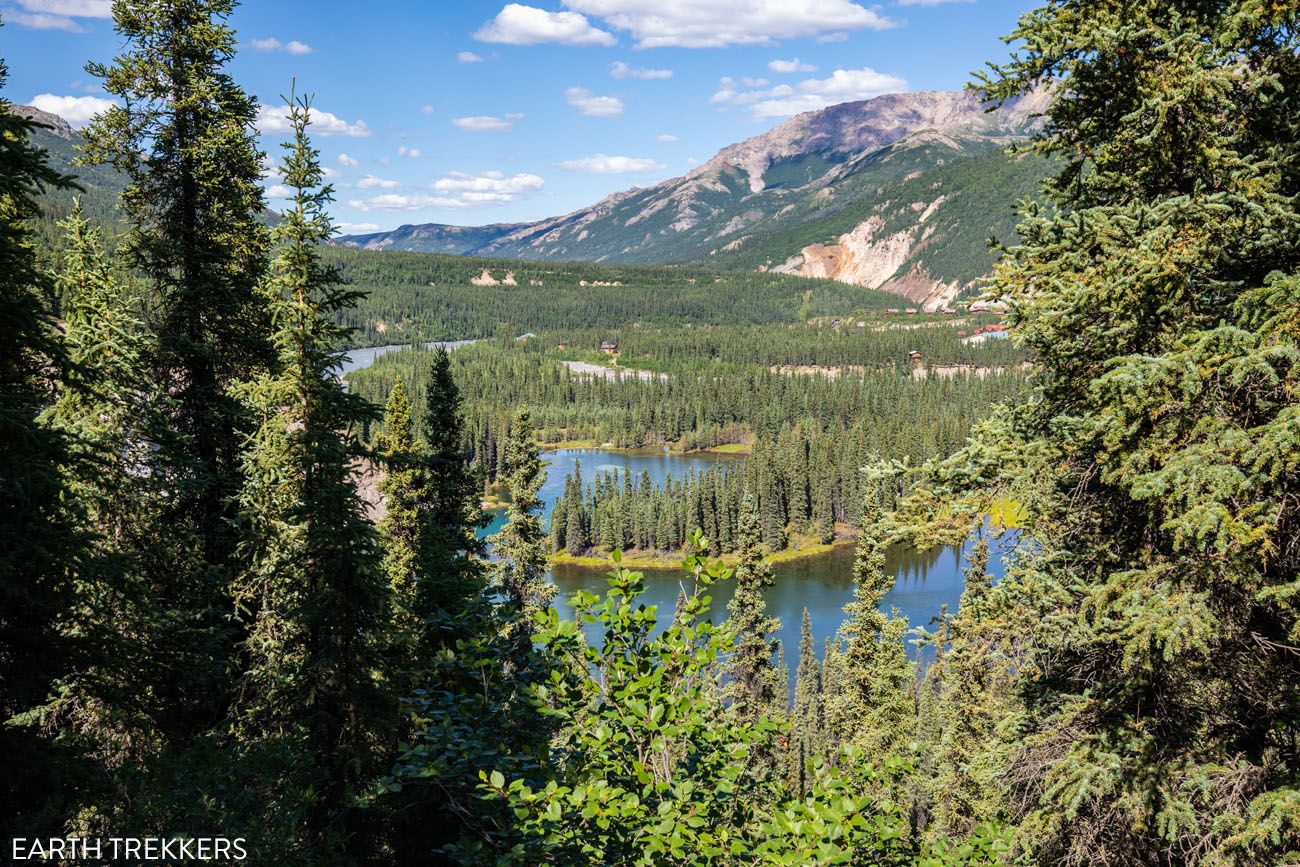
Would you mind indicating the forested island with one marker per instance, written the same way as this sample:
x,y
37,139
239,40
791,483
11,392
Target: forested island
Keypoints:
x,y
244,597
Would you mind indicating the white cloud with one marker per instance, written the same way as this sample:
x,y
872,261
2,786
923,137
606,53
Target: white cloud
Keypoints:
x,y
427,109
844,85
457,190
370,182
665,136
73,8
279,191
404,151
275,119
619,69
517,24
356,228
486,123
590,104
693,24
469,57
350,162
76,110
785,67
293,46
602,164
930,2
42,21
58,14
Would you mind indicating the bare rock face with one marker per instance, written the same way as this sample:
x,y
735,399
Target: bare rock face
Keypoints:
x,y
766,201
57,125
871,124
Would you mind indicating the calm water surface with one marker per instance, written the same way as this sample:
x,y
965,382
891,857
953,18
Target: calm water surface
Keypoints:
x,y
926,581
359,358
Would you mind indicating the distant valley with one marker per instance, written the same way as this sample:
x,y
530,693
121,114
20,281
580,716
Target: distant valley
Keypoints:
x,y
900,193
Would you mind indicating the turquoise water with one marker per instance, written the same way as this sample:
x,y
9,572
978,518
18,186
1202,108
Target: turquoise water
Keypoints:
x,y
925,581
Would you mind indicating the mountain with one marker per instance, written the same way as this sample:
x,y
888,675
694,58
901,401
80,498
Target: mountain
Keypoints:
x,y
99,186
435,238
900,192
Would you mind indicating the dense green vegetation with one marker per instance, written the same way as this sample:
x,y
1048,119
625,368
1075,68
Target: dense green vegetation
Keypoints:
x,y
413,296
203,631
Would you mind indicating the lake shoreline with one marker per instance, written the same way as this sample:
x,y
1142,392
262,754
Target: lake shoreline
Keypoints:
x,y
721,449
673,560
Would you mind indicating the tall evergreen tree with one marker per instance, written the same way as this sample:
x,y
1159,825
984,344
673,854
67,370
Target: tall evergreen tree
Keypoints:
x,y
754,686
454,514
806,717
37,546
403,486
868,705
182,134
973,701
1156,460
314,587
575,533
520,547
112,420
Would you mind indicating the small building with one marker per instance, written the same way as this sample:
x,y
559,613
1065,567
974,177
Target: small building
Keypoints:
x,y
948,311
563,344
911,311
961,332
979,307
526,336
892,311
608,347
914,356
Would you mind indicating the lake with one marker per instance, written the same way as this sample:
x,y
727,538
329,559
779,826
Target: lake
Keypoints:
x,y
925,581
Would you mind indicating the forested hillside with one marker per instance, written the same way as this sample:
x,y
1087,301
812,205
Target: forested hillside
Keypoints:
x,y
423,296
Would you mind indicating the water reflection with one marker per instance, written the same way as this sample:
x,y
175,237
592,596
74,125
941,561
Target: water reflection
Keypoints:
x,y
925,581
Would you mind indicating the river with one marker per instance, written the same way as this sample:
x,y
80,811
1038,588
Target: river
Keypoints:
x,y
359,358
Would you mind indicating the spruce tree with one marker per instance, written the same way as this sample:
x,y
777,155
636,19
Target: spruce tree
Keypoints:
x,y
973,700
869,705
112,421
313,588
38,547
575,534
453,573
520,547
806,718
1155,459
404,487
753,687
182,135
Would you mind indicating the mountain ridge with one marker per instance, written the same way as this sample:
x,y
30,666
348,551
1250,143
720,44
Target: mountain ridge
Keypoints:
x,y
775,201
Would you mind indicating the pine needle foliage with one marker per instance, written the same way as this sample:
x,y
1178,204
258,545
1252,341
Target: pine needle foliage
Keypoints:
x,y
311,704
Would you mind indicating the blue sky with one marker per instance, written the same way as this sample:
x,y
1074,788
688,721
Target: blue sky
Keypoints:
x,y
482,112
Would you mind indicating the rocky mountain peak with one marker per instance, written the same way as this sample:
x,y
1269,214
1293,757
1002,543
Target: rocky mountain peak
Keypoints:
x,y
57,125
871,124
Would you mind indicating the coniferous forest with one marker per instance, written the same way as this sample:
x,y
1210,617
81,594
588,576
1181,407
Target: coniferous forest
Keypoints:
x,y
243,598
